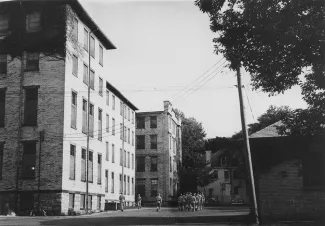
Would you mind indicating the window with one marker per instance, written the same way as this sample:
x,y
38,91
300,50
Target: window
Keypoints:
x,y
71,200
92,79
91,120
85,75
153,121
75,29
129,160
84,116
107,123
141,186
226,175
154,187
2,107
100,123
3,62
121,132
121,157
313,169
107,152
129,114
90,167
124,132
170,165
100,88
4,23
132,161
31,103
125,112
107,97
140,122
1,159
171,186
128,135
113,153
90,202
124,185
128,185
86,40
121,108
224,161
132,186
140,164
113,126
82,201
83,164
92,46
29,159
132,117
132,138
140,142
124,158
170,141
32,61
153,163
75,65
74,110
153,141
33,21
112,183
72,162
98,202
121,183
99,169
113,105
101,55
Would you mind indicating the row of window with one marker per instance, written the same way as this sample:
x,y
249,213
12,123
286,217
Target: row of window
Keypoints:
x,y
83,201
141,144
99,131
125,159
31,63
141,187
141,165
141,122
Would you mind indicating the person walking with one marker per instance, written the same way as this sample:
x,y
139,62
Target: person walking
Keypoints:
x,y
179,202
139,201
193,201
183,202
122,200
158,200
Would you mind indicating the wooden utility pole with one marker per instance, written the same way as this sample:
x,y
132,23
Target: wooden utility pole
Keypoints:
x,y
246,142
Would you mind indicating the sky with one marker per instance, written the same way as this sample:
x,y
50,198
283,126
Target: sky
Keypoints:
x,y
164,52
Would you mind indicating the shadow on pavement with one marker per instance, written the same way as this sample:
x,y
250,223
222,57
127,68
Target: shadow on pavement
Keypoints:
x,y
131,220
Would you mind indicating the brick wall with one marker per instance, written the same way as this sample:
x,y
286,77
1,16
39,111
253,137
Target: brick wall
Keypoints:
x,y
284,197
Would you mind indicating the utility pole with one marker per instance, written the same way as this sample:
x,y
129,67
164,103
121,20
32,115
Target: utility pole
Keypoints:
x,y
246,141
87,152
123,107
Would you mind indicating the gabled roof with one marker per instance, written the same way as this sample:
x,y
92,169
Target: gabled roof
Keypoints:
x,y
270,131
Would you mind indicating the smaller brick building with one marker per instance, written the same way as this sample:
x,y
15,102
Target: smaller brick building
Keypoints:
x,y
290,176
158,153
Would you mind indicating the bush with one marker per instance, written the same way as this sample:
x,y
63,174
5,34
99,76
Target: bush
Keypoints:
x,y
71,212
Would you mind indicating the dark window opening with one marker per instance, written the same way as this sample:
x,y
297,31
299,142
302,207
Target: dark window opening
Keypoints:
x,y
153,141
140,122
153,121
29,160
3,63
140,164
153,163
32,62
140,142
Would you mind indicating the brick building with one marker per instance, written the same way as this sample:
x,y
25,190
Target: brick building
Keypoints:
x,y
289,176
158,153
45,51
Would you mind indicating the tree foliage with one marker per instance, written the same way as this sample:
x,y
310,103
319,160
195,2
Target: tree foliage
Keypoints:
x,y
276,41
272,115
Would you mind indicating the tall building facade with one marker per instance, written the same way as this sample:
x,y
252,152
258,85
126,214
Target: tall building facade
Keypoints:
x,y
50,53
158,153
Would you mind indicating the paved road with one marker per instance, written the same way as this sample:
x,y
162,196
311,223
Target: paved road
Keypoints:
x,y
145,216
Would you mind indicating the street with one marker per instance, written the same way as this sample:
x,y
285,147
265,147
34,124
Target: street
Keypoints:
x,y
145,216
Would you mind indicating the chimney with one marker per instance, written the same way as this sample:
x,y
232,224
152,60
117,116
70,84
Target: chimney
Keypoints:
x,y
167,105
208,158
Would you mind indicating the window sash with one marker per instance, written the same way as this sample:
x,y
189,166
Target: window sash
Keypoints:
x,y
101,55
32,61
85,75
99,170
86,40
72,162
33,21
75,65
100,88
92,79
92,46
112,182
113,153
31,104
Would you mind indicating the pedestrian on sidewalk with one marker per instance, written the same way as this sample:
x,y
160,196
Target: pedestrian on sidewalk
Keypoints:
x,y
158,200
139,201
122,200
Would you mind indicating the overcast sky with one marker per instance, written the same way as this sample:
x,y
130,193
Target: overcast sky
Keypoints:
x,y
165,46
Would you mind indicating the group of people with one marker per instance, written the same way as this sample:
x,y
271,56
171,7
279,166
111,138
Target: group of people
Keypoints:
x,y
189,201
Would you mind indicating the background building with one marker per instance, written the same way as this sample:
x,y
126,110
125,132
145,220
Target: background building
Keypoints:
x,y
158,153
44,69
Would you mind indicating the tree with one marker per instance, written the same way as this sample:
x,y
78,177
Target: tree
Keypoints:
x,y
276,41
272,115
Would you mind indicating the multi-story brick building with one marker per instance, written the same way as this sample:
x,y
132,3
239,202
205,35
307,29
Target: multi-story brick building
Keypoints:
x,y
158,153
50,51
